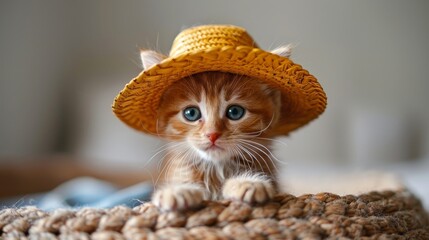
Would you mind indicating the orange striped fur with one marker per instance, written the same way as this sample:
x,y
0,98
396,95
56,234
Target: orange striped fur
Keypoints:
x,y
241,152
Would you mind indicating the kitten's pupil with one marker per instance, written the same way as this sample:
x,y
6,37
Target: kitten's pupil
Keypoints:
x,y
192,114
235,112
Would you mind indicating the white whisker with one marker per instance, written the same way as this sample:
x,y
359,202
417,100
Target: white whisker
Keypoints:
x,y
247,162
264,147
273,140
261,158
251,155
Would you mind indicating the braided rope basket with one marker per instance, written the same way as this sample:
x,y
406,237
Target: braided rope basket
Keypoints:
x,y
375,215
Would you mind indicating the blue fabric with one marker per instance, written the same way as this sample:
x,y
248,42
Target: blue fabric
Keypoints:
x,y
85,192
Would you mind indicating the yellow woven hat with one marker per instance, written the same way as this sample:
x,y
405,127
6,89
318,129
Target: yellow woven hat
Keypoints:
x,y
223,48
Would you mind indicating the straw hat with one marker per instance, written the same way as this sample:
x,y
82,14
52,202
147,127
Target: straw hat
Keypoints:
x,y
223,48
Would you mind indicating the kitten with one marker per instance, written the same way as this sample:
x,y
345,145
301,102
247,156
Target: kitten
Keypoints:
x,y
218,125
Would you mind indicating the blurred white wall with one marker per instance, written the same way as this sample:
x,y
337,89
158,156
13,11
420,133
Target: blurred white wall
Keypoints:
x,y
62,63
35,47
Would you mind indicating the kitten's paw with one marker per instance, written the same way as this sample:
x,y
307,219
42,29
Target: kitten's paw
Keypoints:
x,y
179,197
250,189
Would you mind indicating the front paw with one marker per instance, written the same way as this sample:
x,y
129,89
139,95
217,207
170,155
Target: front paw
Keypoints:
x,y
179,197
250,189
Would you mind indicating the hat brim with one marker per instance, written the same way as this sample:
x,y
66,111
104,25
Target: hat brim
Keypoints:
x,y
303,99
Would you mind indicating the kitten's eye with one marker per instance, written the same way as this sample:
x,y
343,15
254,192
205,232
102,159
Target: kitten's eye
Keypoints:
x,y
192,114
235,112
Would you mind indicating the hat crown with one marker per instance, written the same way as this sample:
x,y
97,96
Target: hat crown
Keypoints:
x,y
210,36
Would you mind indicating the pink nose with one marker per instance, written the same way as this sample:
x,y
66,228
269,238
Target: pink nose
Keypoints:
x,y
213,136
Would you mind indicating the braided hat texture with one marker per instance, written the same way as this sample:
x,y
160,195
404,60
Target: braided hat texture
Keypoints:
x,y
222,48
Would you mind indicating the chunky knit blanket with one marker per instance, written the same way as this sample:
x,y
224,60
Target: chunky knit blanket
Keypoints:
x,y
375,215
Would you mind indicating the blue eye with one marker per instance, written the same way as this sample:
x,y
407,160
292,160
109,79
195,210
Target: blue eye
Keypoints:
x,y
192,114
235,112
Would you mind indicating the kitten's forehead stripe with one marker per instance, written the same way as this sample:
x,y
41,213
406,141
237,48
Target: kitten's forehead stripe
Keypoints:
x,y
223,104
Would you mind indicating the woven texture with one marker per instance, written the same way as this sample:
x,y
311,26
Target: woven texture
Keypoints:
x,y
376,215
227,49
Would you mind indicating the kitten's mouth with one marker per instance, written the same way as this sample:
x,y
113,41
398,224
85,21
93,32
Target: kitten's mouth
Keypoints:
x,y
213,147
213,152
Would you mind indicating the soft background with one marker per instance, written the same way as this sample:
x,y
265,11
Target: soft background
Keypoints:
x,y
63,62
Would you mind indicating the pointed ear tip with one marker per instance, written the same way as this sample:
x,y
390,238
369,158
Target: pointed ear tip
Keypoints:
x,y
153,53
145,50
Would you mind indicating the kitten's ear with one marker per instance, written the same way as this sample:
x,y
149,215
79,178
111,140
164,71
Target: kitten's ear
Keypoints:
x,y
283,51
150,58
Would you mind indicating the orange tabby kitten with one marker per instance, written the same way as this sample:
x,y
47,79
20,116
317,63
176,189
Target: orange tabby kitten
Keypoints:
x,y
219,127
